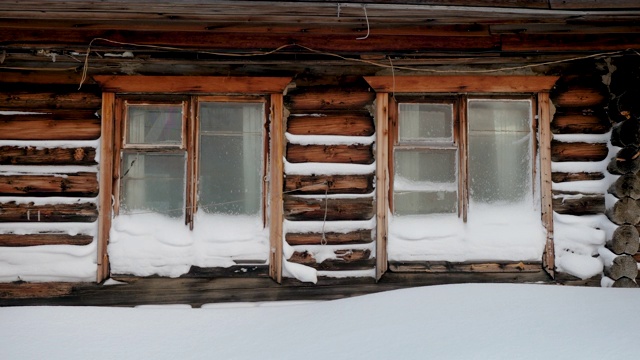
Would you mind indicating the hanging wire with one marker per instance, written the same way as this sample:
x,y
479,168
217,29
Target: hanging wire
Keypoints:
x,y
364,7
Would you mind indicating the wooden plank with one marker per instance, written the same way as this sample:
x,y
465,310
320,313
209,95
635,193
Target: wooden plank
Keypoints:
x,y
80,212
578,151
343,123
78,184
593,5
42,127
48,100
382,182
544,113
296,208
20,155
106,183
344,154
27,290
13,240
337,184
276,170
579,205
319,99
40,77
569,42
330,238
465,267
192,84
579,122
462,84
558,177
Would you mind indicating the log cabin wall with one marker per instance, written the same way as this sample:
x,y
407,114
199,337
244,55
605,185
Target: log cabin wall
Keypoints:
x,y
329,173
49,138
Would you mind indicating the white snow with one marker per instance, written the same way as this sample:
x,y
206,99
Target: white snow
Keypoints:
x,y
469,321
311,168
329,139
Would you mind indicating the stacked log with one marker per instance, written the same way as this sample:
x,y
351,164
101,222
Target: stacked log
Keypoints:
x,y
329,214
623,109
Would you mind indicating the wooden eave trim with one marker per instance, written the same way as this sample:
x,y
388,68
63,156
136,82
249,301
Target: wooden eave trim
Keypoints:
x,y
192,84
462,84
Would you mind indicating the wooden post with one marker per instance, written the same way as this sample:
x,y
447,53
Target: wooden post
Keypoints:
x,y
382,181
544,112
106,182
275,188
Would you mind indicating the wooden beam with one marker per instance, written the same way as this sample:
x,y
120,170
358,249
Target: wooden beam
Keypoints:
x,y
78,184
106,183
298,208
276,169
192,84
13,240
330,238
462,84
31,155
382,181
578,151
80,212
544,113
342,154
42,127
337,184
343,123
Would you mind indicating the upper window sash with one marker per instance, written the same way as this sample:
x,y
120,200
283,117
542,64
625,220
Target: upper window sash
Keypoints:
x,y
154,125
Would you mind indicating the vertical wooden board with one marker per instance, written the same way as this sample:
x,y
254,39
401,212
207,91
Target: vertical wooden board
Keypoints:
x,y
105,190
548,257
463,182
382,181
276,184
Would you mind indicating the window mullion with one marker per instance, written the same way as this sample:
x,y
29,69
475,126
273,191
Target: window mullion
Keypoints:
x,y
191,137
463,160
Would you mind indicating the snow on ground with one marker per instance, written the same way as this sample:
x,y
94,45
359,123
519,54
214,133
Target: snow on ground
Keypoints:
x,y
470,321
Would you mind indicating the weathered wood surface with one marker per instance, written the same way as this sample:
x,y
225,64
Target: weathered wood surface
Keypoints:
x,y
347,260
13,240
237,271
625,240
331,238
193,84
626,211
349,154
27,290
48,100
559,177
626,161
80,212
332,184
579,93
78,184
296,208
343,123
578,151
43,127
42,78
622,266
579,122
460,83
625,282
586,204
451,267
627,185
319,99
569,42
31,155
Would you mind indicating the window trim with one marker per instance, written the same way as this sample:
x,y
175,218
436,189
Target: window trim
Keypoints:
x,y
385,86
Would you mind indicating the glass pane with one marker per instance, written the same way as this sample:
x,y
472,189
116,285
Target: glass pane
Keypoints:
x,y
153,182
231,158
499,151
416,203
425,122
435,166
154,124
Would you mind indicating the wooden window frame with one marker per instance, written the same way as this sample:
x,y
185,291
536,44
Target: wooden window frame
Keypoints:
x,y
207,87
387,87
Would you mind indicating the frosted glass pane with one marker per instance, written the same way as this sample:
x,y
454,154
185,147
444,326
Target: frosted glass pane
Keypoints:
x,y
432,166
154,124
153,183
417,203
230,179
499,151
425,122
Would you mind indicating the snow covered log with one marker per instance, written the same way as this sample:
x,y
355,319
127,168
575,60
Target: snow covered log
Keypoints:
x,y
331,238
14,240
350,154
78,184
30,155
353,123
627,185
47,127
625,211
328,98
622,266
337,184
571,121
296,208
624,282
80,212
345,260
578,151
584,204
625,240
558,177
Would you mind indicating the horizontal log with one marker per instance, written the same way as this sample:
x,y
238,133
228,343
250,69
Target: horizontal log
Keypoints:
x,y
43,78
625,211
330,238
451,267
585,205
569,42
81,212
13,240
347,260
559,177
626,133
78,184
296,208
627,185
343,123
622,266
49,100
578,151
25,290
625,282
328,98
579,92
42,127
14,155
343,154
193,84
625,240
579,122
332,184
625,162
